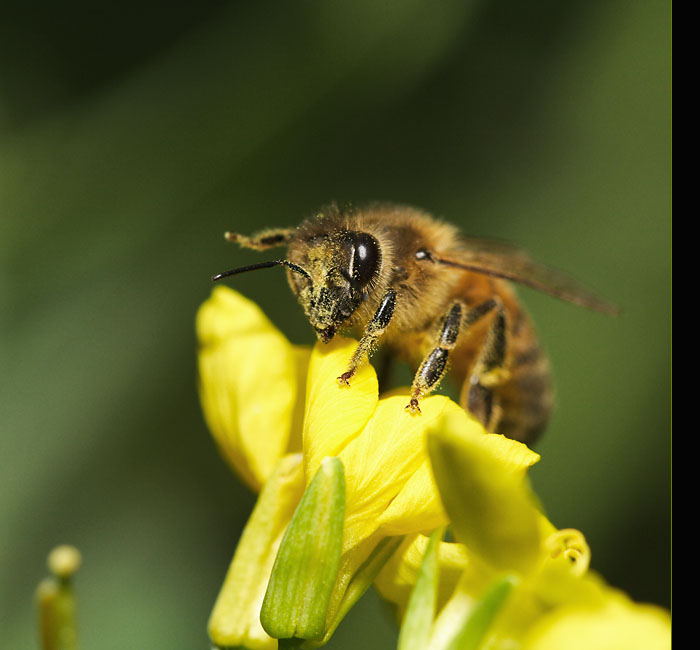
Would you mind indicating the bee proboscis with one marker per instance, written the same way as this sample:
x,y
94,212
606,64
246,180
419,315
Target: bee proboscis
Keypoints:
x,y
399,276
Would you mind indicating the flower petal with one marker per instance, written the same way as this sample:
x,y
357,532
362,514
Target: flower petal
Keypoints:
x,y
417,507
381,460
397,578
248,376
235,619
485,493
619,624
335,414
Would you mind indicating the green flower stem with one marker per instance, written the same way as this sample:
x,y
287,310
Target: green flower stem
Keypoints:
x,y
306,567
420,612
56,601
470,622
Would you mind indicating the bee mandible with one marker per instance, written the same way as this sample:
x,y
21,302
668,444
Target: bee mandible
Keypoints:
x,y
438,300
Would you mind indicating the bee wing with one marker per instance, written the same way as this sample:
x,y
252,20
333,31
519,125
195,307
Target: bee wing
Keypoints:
x,y
502,260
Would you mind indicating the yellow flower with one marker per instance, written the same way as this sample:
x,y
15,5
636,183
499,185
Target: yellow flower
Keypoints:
x,y
614,622
251,383
265,400
555,603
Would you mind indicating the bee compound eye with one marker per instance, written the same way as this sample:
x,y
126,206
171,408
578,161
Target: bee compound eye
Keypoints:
x,y
365,258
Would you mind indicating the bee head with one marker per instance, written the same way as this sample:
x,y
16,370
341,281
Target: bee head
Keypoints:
x,y
342,268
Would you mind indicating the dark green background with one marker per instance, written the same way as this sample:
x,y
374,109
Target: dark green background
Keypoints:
x,y
132,135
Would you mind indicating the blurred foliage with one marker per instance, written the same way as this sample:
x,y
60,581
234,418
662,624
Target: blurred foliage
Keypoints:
x,y
132,135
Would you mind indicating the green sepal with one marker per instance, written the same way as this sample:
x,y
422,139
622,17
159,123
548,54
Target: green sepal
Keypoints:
x,y
360,582
306,567
418,621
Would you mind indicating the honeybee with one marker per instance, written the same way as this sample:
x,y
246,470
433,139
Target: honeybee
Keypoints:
x,y
436,299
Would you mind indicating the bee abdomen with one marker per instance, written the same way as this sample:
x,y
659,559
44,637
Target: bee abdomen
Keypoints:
x,y
525,400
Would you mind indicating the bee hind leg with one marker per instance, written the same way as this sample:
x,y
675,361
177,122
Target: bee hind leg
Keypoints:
x,y
488,372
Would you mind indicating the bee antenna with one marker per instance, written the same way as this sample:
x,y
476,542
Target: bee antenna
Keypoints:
x,y
262,265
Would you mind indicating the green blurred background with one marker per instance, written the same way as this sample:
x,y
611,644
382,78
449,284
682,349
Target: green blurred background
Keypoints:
x,y
133,134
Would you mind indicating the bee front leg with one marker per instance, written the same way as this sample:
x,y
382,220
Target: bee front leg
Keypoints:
x,y
375,328
264,239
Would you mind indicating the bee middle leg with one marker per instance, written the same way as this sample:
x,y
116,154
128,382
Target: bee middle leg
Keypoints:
x,y
433,367
488,370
